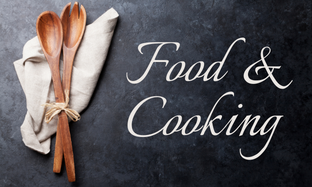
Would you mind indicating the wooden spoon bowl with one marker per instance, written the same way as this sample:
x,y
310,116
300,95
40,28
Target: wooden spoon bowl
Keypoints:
x,y
74,24
50,35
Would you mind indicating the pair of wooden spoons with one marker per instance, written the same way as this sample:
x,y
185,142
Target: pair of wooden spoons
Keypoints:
x,y
53,33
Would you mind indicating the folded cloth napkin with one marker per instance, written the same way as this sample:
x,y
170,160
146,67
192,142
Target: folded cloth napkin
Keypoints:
x,y
35,77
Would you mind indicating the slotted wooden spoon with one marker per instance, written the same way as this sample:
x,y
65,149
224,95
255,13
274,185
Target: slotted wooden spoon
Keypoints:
x,y
73,29
50,35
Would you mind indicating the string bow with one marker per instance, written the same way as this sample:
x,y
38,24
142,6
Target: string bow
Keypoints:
x,y
56,108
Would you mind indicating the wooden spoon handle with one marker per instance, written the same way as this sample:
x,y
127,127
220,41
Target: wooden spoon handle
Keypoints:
x,y
58,153
68,60
67,147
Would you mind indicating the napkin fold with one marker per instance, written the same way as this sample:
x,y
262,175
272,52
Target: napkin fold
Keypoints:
x,y
35,77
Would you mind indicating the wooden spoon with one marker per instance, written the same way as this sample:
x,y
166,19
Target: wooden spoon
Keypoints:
x,y
50,35
73,29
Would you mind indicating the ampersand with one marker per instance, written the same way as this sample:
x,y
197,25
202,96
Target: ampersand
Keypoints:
x,y
269,70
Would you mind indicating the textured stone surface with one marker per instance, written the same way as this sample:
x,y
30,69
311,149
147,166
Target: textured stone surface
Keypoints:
x,y
106,154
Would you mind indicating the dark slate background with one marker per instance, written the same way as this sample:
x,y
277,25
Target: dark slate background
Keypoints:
x,y
106,154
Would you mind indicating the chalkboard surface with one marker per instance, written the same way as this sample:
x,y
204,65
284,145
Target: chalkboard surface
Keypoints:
x,y
226,99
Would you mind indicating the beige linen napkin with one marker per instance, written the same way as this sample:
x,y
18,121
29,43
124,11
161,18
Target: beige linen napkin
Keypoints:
x,y
35,77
